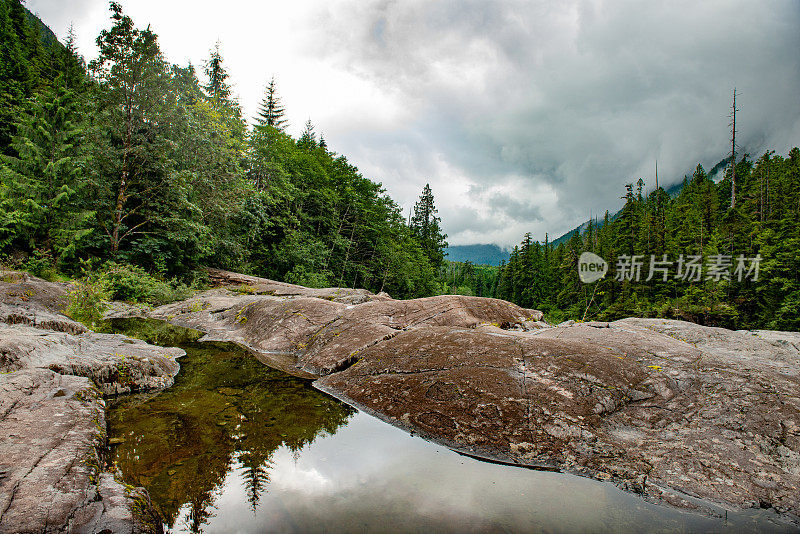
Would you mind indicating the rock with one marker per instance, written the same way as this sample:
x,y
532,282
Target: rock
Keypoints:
x,y
52,427
53,372
318,335
117,364
17,287
717,417
25,299
125,310
667,409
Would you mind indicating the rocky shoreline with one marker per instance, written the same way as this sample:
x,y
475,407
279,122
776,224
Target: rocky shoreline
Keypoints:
x,y
702,418
54,374
677,412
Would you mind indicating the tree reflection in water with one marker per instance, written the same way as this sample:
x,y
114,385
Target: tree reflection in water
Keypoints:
x,y
225,408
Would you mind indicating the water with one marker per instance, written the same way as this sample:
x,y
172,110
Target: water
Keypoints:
x,y
235,446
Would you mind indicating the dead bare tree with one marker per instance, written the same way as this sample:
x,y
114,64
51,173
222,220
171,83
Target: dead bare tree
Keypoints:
x,y
733,150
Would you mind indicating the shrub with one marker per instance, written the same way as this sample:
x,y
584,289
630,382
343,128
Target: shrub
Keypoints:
x,y
41,264
88,300
134,284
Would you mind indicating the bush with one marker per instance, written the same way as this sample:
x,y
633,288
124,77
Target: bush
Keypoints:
x,y
88,300
134,284
41,264
300,276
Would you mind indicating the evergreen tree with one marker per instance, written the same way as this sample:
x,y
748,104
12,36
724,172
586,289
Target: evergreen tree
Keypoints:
x,y
308,139
425,225
42,188
217,87
271,111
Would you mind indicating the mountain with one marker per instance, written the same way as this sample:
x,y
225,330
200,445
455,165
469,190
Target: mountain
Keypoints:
x,y
477,254
716,173
47,35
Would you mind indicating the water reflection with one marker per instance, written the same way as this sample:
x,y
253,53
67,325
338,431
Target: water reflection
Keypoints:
x,y
234,446
225,409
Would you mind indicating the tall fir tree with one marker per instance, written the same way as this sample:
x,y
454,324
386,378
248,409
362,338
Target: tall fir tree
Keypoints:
x,y
217,87
271,111
425,225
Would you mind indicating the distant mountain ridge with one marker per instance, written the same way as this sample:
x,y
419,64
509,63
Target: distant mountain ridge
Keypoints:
x,y
489,254
672,191
47,35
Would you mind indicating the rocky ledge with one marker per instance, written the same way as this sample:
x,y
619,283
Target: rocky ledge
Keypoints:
x,y
53,375
668,409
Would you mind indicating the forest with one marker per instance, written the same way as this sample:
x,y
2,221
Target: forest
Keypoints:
x,y
141,169
138,169
702,220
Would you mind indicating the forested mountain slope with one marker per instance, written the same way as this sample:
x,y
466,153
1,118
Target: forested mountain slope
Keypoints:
x,y
136,160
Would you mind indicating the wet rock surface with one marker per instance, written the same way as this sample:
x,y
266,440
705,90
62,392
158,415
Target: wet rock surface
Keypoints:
x,y
51,480
117,364
672,410
53,375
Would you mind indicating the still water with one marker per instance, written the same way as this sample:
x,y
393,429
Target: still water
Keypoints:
x,y
235,446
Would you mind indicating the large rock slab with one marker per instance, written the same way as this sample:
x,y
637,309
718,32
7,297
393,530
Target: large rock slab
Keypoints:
x,y
667,409
312,333
116,363
51,480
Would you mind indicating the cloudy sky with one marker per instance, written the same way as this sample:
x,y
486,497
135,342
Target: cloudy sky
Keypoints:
x,y
524,116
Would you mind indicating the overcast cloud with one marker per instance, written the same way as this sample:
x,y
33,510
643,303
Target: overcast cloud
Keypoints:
x,y
523,116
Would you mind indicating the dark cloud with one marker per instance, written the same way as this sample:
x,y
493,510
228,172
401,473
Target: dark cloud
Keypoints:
x,y
582,97
522,115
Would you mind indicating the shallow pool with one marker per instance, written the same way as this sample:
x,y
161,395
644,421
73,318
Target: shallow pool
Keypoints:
x,y
235,446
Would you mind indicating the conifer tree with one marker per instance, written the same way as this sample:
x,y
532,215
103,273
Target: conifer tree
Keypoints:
x,y
271,111
425,225
41,205
308,139
217,87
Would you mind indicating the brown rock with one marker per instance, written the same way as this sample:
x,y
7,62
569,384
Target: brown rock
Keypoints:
x,y
51,427
117,364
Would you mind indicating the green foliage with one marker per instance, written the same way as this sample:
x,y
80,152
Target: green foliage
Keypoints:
x,y
41,264
698,221
425,226
140,163
134,284
459,278
271,112
88,300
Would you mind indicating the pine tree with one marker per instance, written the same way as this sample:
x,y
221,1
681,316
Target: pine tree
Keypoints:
x,y
217,87
271,111
308,139
425,225
40,207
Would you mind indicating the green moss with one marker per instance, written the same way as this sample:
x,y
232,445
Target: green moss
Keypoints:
x,y
244,289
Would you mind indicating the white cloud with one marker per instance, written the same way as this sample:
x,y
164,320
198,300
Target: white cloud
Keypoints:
x,y
523,116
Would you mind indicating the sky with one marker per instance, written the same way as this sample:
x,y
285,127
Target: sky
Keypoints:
x,y
524,116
